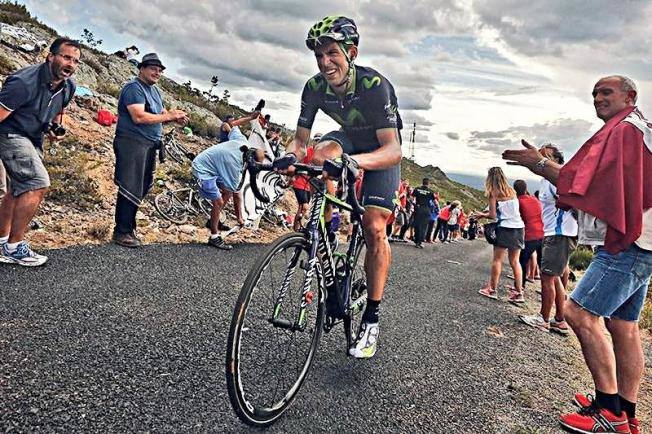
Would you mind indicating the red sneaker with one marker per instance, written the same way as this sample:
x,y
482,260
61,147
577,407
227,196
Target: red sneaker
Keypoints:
x,y
596,420
633,425
582,400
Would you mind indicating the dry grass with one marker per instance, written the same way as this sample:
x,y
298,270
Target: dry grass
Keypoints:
x,y
99,231
646,315
108,89
70,183
6,65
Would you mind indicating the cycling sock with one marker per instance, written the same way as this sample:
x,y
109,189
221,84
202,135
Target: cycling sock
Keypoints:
x,y
628,407
610,401
371,312
11,247
213,236
4,239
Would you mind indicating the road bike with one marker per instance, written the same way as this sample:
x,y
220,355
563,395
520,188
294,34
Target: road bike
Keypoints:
x,y
179,204
175,149
299,287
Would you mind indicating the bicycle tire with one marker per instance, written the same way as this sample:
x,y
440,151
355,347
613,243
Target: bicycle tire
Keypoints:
x,y
358,293
249,402
175,153
170,207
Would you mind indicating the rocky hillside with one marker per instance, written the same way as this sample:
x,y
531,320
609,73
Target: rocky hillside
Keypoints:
x,y
79,207
448,189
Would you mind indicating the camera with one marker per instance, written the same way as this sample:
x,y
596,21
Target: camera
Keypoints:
x,y
56,129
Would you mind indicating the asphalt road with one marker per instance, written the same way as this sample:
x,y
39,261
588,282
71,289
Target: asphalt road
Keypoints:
x,y
114,340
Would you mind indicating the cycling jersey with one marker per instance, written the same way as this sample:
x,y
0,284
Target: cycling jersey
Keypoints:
x,y
369,105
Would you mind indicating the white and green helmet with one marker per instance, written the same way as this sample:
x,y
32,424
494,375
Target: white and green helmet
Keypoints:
x,y
337,28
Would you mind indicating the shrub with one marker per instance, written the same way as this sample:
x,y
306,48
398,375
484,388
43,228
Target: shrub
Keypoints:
x,y
70,183
200,126
580,258
108,89
6,65
99,230
646,315
180,173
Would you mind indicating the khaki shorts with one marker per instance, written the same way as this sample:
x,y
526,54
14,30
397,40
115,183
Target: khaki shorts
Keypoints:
x,y
23,163
556,253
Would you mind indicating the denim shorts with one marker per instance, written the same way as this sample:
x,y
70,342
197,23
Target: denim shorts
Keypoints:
x,y
615,286
23,163
209,189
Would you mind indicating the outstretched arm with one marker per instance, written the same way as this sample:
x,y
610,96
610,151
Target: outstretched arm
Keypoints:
x,y
534,160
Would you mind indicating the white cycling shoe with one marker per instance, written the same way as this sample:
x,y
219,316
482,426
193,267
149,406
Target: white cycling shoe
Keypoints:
x,y
365,346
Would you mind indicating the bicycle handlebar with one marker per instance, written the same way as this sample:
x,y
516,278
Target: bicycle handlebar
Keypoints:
x,y
347,179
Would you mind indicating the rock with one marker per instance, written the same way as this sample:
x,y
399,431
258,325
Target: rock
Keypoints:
x,y
141,216
187,229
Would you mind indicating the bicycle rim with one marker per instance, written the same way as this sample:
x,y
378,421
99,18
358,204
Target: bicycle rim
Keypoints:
x,y
266,365
170,207
357,296
175,154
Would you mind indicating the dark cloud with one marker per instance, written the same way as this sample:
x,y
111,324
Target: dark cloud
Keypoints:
x,y
410,117
453,136
568,134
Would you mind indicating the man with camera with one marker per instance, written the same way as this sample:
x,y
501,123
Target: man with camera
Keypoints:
x,y
138,134
31,106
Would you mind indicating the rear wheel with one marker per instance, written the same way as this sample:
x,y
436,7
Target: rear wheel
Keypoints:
x,y
171,206
271,344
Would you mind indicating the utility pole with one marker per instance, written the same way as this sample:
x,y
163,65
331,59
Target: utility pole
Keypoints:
x,y
412,140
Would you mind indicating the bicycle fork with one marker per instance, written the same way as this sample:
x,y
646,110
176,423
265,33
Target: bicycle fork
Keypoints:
x,y
310,267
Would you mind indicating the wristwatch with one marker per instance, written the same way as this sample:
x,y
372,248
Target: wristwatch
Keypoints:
x,y
541,164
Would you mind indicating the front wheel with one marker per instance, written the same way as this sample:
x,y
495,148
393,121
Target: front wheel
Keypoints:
x,y
274,331
171,207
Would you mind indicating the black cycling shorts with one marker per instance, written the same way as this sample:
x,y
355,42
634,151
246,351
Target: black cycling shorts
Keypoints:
x,y
303,196
379,187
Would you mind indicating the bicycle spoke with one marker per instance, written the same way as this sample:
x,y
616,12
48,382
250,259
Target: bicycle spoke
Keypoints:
x,y
267,380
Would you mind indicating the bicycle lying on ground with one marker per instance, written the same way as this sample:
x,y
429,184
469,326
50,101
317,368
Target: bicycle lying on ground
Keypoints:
x,y
179,204
175,149
298,287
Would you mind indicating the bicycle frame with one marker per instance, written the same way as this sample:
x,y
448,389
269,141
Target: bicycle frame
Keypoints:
x,y
321,248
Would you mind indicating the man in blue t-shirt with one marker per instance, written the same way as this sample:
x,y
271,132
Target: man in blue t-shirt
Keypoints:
x,y
141,115
219,170
31,101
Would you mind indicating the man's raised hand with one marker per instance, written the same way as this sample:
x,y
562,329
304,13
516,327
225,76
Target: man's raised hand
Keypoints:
x,y
527,157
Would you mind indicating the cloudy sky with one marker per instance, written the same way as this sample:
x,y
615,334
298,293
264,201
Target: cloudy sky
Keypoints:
x,y
475,76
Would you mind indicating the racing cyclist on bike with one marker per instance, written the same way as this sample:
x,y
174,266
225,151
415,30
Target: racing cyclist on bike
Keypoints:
x,y
364,104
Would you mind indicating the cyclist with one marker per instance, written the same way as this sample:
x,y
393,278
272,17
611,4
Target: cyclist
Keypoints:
x,y
363,102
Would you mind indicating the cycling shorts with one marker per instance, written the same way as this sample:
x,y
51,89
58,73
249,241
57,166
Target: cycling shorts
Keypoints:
x,y
379,187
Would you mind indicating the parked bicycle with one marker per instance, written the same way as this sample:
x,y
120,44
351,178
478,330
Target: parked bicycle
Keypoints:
x,y
178,205
297,288
175,149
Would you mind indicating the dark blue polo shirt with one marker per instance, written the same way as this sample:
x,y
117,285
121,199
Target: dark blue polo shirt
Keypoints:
x,y
138,92
28,93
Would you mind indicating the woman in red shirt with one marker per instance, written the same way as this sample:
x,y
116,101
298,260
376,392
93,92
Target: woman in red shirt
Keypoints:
x,y
532,215
301,187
